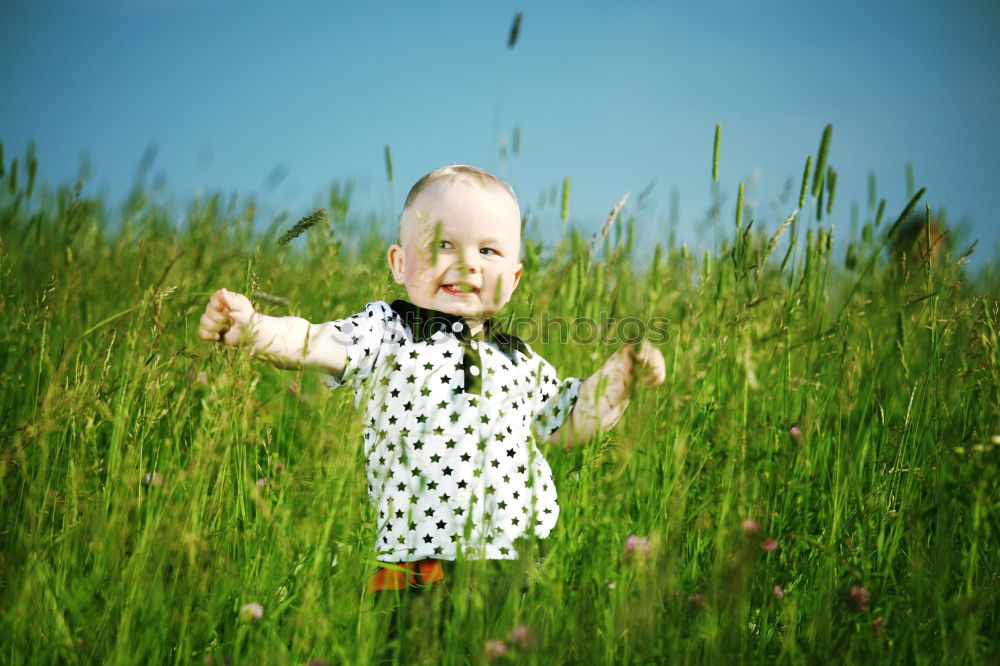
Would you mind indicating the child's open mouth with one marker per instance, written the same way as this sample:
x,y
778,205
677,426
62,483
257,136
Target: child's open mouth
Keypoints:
x,y
460,289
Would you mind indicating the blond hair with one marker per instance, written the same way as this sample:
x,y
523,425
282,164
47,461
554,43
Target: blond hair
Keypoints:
x,y
451,174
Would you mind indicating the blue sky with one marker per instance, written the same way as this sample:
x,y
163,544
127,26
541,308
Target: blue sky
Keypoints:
x,y
279,100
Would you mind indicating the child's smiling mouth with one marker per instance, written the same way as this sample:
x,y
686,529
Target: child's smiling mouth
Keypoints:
x,y
460,289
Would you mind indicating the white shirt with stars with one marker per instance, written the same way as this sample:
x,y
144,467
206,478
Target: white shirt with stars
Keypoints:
x,y
450,425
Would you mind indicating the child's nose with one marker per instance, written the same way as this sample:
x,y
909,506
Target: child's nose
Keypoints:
x,y
471,259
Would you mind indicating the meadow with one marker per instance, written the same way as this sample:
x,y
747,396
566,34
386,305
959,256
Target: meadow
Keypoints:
x,y
816,481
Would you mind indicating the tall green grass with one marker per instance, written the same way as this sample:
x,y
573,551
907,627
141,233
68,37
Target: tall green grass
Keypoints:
x,y
817,479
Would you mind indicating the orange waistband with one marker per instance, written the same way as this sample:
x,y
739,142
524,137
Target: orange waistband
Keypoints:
x,y
409,574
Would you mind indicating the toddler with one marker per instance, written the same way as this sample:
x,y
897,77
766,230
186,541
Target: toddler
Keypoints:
x,y
455,411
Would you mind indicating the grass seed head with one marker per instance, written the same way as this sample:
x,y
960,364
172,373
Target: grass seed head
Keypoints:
x,y
302,226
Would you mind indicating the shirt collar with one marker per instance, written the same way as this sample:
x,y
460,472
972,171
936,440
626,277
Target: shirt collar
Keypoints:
x,y
424,323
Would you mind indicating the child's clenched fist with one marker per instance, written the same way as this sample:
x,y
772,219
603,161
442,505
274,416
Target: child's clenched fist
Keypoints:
x,y
227,317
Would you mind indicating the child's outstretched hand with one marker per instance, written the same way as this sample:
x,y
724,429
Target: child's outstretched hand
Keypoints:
x,y
226,318
648,364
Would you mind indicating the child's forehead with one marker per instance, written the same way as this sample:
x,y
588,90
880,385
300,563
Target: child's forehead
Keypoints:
x,y
462,190
459,203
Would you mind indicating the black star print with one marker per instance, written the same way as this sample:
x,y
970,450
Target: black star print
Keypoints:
x,y
392,460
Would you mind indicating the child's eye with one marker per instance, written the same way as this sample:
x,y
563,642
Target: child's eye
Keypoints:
x,y
487,250
445,245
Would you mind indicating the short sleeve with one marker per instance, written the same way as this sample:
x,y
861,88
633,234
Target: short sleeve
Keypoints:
x,y
364,334
555,400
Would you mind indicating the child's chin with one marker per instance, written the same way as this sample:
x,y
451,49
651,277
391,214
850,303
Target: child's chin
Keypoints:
x,y
470,308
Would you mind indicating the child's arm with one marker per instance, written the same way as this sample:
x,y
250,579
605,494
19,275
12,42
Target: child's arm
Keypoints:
x,y
284,342
606,393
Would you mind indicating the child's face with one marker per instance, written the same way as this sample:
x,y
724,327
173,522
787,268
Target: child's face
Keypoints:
x,y
478,235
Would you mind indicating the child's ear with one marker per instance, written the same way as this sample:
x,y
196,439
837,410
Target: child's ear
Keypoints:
x,y
517,276
395,257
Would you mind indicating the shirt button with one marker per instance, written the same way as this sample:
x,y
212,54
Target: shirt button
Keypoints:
x,y
474,371
457,327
